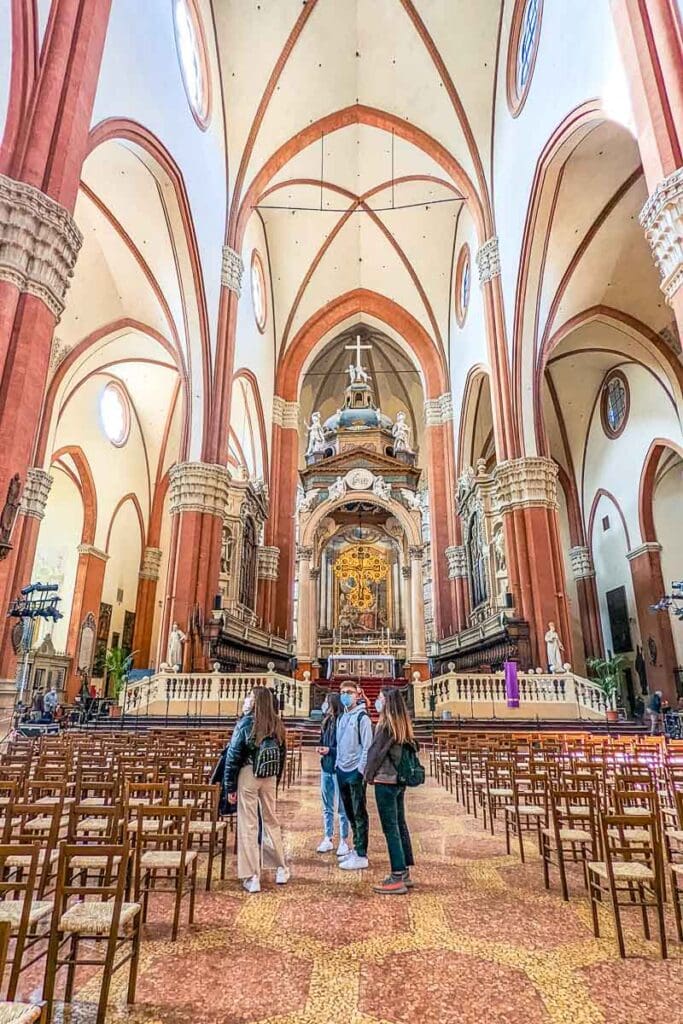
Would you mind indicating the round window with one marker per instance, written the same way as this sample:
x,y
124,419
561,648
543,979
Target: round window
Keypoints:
x,y
524,37
615,403
258,291
463,280
192,57
115,414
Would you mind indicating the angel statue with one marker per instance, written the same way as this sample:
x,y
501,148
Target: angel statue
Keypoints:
x,y
381,488
316,435
337,489
401,433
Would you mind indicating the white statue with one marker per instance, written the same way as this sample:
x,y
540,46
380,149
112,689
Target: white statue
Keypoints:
x,y
413,499
401,433
305,502
381,488
174,654
499,550
337,489
316,435
554,648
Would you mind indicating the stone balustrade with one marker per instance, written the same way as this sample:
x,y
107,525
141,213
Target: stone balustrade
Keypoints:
x,y
198,694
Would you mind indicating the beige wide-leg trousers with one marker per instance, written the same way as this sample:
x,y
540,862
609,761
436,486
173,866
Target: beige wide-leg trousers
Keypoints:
x,y
252,793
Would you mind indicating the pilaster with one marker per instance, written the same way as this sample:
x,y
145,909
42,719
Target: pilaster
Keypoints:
x,y
268,562
232,269
199,487
662,221
581,562
456,560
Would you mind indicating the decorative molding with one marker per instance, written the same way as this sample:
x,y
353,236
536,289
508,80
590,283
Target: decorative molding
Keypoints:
x,y
439,410
456,559
406,572
151,564
416,552
199,487
651,547
39,243
58,353
304,553
662,221
315,572
268,563
285,414
488,260
36,491
526,482
232,269
92,552
581,562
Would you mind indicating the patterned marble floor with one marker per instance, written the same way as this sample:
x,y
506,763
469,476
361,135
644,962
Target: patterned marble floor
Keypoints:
x,y
478,940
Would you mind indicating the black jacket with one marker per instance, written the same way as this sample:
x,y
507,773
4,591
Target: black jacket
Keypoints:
x,y
328,738
241,751
383,755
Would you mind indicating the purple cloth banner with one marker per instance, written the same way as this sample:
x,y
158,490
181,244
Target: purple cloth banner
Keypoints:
x,y
511,684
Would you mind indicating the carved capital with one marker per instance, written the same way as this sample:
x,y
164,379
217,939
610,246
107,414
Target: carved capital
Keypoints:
x,y
232,269
36,491
526,482
581,562
456,560
90,551
439,410
406,572
416,552
268,563
199,487
315,572
151,563
285,414
662,221
651,547
39,243
488,260
303,553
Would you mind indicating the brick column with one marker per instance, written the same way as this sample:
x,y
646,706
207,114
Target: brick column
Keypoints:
x,y
92,564
148,577
268,573
306,610
280,526
418,653
456,560
441,455
583,572
655,627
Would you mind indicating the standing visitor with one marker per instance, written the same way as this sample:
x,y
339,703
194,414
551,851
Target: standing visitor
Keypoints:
x,y
655,709
354,737
254,761
51,701
329,787
394,732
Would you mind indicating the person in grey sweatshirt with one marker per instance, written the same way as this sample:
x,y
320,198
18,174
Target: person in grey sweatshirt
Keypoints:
x,y
354,737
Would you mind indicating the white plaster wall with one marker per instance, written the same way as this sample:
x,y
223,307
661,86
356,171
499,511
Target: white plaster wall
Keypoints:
x,y
668,505
122,568
578,659
612,569
5,60
156,656
56,553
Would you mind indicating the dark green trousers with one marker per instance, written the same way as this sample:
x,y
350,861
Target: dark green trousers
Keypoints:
x,y
391,810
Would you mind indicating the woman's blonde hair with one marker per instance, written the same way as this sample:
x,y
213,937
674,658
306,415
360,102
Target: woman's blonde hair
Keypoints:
x,y
266,721
394,716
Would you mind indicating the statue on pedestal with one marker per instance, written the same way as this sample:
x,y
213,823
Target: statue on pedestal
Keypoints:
x,y
554,648
176,639
401,433
316,435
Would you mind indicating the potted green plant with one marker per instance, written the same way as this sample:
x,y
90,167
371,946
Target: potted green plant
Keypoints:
x,y
118,664
606,674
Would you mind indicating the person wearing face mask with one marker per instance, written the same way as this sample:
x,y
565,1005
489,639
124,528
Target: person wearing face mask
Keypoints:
x,y
329,787
394,731
354,736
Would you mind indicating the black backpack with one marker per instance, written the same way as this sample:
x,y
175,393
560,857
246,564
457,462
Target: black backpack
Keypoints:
x,y
409,770
267,760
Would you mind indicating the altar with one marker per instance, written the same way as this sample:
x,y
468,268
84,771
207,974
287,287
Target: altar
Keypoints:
x,y
362,666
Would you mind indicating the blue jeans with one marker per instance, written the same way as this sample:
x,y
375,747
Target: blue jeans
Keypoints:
x,y
329,791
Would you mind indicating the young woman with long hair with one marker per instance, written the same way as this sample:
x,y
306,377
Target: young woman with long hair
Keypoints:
x,y
394,731
254,762
329,788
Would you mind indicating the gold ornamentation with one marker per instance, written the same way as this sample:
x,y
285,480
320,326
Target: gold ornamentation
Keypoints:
x,y
361,566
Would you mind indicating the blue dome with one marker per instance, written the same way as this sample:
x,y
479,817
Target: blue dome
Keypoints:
x,y
357,419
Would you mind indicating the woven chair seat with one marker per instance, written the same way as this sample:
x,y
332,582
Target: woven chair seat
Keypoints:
x,y
676,834
205,827
530,809
11,911
630,835
499,792
93,861
624,870
93,825
95,918
570,835
23,860
148,825
94,801
635,810
34,824
677,868
166,858
50,801
19,1013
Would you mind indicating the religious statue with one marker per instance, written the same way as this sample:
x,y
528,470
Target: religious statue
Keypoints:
x,y
554,648
174,654
413,499
305,501
316,435
499,550
401,433
381,488
9,514
357,374
337,489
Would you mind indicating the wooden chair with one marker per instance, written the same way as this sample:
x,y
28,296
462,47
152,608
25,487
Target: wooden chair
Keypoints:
x,y
498,789
528,811
92,912
630,874
161,845
34,825
207,831
19,909
572,834
12,1012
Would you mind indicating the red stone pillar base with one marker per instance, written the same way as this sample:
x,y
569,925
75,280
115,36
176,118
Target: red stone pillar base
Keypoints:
x,y
92,564
655,627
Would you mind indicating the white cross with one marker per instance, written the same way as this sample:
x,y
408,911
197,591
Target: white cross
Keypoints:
x,y
358,347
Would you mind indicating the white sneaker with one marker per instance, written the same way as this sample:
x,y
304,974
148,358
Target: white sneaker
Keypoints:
x,y
353,863
282,876
252,884
326,846
343,850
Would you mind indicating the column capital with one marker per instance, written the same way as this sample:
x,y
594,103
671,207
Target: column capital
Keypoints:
x,y
651,547
406,572
581,562
151,563
36,491
416,552
232,269
662,221
285,414
90,551
488,260
527,482
199,487
439,410
39,243
456,559
268,563
315,572
304,553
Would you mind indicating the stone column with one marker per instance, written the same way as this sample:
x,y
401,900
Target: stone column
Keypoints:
x,y
441,454
456,560
280,526
589,612
268,572
306,605
418,657
504,428
407,611
655,627
148,577
526,493
92,564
